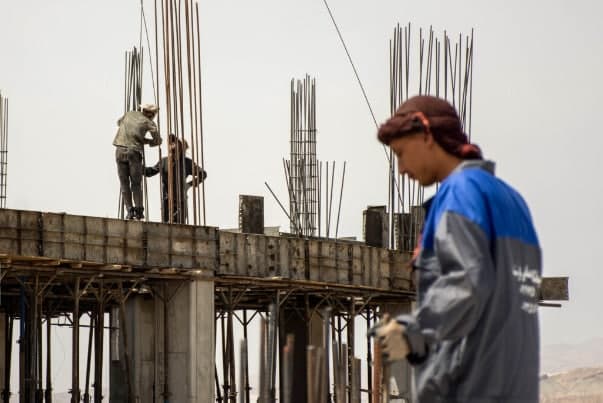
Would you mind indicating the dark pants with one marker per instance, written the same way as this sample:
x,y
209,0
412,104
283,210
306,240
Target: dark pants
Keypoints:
x,y
179,210
129,170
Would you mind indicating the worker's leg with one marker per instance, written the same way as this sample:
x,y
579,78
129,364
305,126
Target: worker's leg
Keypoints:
x,y
123,172
135,160
165,208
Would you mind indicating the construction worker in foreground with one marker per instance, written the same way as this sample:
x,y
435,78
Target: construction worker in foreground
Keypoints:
x,y
474,335
129,152
182,167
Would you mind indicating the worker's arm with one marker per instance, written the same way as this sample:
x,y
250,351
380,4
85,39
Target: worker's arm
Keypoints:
x,y
152,129
196,171
454,302
152,171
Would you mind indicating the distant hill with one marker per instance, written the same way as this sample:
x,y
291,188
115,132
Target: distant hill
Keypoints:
x,y
565,357
582,385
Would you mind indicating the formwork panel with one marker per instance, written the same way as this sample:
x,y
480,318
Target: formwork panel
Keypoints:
x,y
297,256
116,242
315,259
374,271
205,249
255,249
400,271
273,263
134,248
182,246
343,253
30,234
283,256
385,260
227,253
357,265
9,233
72,229
328,256
95,241
158,239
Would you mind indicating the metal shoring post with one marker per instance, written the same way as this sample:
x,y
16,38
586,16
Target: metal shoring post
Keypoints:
x,y
166,367
33,346
245,384
75,355
351,339
369,358
89,359
263,388
123,329
225,359
8,348
274,321
231,356
326,327
98,344
217,380
40,390
48,391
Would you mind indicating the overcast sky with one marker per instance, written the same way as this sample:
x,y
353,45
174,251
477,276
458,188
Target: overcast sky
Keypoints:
x,y
536,110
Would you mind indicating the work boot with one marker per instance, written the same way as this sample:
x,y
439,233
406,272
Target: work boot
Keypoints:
x,y
131,213
139,213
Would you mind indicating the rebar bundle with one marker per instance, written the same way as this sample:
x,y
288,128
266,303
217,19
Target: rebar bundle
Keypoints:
x,y
303,170
3,149
445,69
302,167
132,100
177,28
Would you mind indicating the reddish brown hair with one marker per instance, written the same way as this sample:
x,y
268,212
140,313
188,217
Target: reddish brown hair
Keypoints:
x,y
431,115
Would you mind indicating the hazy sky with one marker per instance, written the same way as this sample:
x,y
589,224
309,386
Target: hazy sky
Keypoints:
x,y
537,86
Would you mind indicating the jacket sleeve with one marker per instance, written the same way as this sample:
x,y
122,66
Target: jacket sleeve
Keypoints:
x,y
152,128
152,171
192,168
454,302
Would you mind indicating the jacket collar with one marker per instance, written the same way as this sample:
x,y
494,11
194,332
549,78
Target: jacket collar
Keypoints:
x,y
486,165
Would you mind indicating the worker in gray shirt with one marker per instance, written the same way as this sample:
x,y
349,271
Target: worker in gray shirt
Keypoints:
x,y
129,151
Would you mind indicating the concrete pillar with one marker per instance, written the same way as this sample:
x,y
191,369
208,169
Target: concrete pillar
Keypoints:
x,y
190,346
140,312
190,333
305,333
139,328
292,323
401,372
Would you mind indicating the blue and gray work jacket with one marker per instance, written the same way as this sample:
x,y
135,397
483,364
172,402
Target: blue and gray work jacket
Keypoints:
x,y
474,336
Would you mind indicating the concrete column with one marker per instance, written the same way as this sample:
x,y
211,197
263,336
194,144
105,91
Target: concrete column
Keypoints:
x,y
139,328
401,372
140,314
305,333
190,334
190,346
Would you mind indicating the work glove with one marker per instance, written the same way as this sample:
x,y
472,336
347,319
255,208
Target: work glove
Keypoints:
x,y
390,336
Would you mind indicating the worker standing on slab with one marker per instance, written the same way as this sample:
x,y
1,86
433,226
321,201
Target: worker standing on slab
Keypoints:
x,y
474,336
182,167
129,152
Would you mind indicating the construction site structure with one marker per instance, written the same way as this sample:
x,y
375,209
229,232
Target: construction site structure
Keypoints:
x,y
170,291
